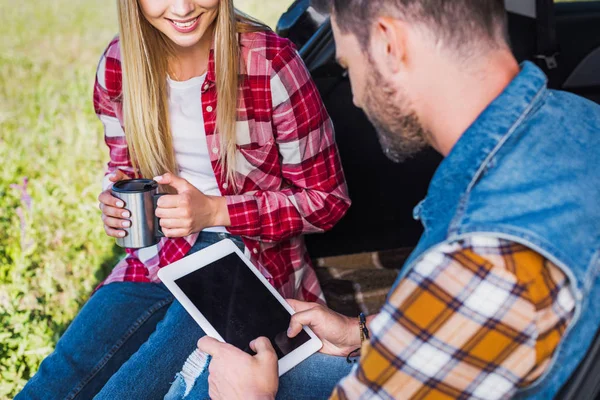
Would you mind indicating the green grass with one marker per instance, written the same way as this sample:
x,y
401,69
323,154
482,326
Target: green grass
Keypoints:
x,y
53,250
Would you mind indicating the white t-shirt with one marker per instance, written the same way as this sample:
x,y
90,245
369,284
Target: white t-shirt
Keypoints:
x,y
189,137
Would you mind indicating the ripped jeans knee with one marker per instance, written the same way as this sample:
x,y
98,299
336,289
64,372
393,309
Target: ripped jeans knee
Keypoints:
x,y
194,367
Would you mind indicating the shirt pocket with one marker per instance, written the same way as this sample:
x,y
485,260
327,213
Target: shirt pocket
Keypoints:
x,y
253,156
258,166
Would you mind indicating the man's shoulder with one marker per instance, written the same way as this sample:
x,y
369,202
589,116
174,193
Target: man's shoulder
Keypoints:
x,y
564,119
552,151
571,110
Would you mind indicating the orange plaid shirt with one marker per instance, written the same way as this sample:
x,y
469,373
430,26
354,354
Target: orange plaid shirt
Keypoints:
x,y
479,318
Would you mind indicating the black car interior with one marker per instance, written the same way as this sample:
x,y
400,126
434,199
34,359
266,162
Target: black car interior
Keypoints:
x,y
563,39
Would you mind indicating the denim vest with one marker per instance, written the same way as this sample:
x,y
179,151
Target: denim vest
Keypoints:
x,y
528,171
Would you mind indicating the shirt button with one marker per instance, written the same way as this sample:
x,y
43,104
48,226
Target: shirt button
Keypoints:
x,y
206,86
225,186
215,150
209,109
255,251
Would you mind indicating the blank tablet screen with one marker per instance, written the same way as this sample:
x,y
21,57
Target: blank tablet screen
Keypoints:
x,y
239,306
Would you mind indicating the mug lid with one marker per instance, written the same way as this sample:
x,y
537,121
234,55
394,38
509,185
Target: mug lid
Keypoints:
x,y
135,186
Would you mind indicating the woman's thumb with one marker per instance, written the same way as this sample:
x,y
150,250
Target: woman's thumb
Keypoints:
x,y
116,176
177,183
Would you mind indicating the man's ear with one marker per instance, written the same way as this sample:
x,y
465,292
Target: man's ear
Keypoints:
x,y
388,44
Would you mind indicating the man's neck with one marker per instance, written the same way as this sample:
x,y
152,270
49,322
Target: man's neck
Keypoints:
x,y
461,95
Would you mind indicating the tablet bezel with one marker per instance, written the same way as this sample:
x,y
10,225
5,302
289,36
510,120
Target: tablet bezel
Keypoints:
x,y
169,274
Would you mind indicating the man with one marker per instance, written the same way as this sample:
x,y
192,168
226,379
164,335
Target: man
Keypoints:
x,y
505,272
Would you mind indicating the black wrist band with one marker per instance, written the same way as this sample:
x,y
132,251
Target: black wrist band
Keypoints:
x,y
353,353
364,334
363,325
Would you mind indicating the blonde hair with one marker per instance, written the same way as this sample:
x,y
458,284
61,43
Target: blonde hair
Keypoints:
x,y
145,55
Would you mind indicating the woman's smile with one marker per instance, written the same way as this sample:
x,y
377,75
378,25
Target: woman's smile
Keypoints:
x,y
187,23
185,26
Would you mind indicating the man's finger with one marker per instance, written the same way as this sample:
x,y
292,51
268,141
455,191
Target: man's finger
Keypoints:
x,y
263,348
210,345
175,182
299,306
301,319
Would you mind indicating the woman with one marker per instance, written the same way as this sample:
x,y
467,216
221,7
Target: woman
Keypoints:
x,y
224,115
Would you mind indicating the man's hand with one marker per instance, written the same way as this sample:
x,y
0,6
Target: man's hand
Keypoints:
x,y
340,335
234,374
189,211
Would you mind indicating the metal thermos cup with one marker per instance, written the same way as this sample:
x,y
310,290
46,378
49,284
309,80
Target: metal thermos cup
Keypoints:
x,y
140,197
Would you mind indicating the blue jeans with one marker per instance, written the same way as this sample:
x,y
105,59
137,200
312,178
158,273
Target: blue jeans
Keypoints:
x,y
127,342
314,378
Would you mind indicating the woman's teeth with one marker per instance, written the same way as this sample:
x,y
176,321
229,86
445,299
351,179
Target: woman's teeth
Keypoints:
x,y
185,24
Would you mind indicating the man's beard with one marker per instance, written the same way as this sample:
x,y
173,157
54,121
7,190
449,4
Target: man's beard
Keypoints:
x,y
400,132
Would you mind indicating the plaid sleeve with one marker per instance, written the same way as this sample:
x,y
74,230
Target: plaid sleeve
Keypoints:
x,y
314,196
477,319
107,89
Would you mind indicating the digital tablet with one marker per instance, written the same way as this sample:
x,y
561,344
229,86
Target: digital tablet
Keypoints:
x,y
234,303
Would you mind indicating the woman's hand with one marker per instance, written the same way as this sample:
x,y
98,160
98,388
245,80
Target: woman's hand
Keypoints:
x,y
234,374
114,215
340,334
189,211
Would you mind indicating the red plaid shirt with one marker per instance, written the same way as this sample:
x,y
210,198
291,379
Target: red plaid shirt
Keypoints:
x,y
288,169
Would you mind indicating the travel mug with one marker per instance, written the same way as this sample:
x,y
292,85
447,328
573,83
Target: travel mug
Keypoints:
x,y
140,197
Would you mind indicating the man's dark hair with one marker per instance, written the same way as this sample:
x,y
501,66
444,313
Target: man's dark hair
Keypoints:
x,y
456,23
